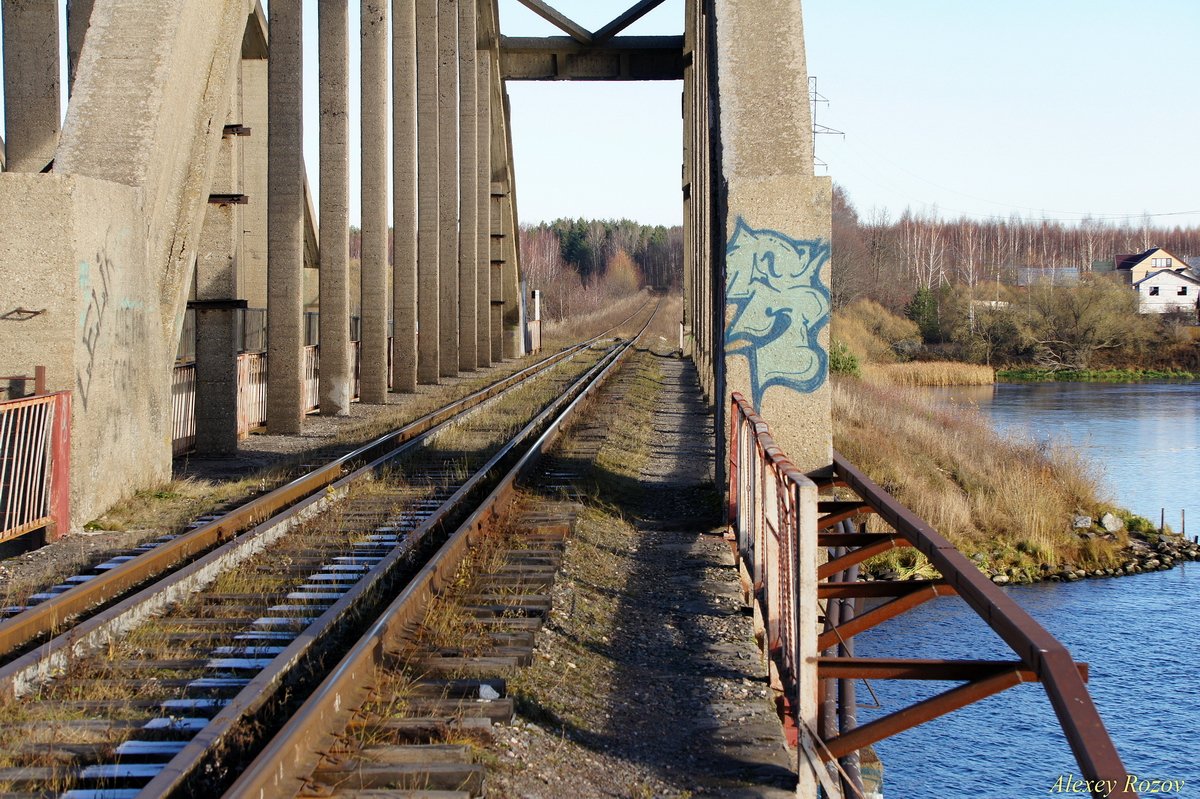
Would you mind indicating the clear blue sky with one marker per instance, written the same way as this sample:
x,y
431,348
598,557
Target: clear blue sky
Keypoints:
x,y
1044,108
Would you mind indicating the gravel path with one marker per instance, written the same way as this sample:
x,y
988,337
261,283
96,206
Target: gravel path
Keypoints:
x,y
647,682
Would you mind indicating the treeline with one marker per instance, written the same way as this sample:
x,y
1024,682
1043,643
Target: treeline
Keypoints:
x,y
579,264
887,260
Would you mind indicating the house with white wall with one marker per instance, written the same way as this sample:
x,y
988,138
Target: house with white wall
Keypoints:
x,y
1167,290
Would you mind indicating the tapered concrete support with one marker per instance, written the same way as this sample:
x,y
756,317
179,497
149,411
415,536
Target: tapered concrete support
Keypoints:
x,y
376,300
79,14
285,219
468,206
334,98
483,185
31,106
404,196
428,196
448,170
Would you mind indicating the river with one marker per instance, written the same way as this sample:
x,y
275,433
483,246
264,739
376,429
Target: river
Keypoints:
x,y
1139,634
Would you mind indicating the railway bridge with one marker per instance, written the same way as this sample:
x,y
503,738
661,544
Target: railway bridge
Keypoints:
x,y
170,207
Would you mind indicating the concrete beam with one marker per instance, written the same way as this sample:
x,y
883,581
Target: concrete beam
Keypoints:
x,y
334,242
79,14
468,174
373,372
31,105
448,189
404,197
563,58
285,219
428,195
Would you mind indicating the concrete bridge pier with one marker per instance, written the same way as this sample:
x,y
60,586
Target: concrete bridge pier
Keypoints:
x,y
333,47
285,218
428,195
483,205
404,197
448,110
32,110
468,170
375,295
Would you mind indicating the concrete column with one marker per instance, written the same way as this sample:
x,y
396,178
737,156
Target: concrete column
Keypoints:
x,y
216,314
334,98
32,113
496,259
428,196
689,172
79,14
773,210
404,196
483,182
468,205
285,219
375,298
252,272
448,171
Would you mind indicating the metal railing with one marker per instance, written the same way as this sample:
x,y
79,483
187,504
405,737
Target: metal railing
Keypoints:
x,y
768,521
312,373
183,408
252,392
35,443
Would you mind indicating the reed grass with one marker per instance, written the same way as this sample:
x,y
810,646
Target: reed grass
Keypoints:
x,y
929,373
1010,502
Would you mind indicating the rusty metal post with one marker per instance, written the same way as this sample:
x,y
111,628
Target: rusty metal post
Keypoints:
x,y
847,698
39,380
60,466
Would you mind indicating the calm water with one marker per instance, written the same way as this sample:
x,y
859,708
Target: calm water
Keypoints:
x,y
1141,634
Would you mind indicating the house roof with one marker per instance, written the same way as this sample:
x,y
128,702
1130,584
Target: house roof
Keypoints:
x,y
1173,273
1130,260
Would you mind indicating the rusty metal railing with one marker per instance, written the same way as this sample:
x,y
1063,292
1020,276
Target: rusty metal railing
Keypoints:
x,y
252,392
312,383
767,522
35,444
183,409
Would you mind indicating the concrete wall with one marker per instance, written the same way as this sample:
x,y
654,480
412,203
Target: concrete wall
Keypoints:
x,y
107,243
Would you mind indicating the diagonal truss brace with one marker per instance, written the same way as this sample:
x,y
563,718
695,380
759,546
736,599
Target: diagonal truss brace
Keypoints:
x,y
582,34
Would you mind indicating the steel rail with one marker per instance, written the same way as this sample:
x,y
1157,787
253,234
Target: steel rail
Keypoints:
x,y
261,689
49,616
296,749
1038,650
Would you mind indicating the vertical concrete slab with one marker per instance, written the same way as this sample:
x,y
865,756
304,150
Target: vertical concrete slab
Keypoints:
x,y
775,219
374,110
216,317
404,197
32,113
333,100
79,14
285,219
468,170
483,187
252,275
428,196
448,170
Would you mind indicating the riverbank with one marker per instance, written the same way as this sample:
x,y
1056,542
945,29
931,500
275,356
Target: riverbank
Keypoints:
x,y
1030,375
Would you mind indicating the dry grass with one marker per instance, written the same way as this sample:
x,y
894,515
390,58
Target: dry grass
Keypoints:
x,y
1008,500
556,335
872,332
929,373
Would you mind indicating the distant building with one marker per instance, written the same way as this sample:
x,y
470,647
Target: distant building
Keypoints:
x,y
1167,290
1135,266
1047,275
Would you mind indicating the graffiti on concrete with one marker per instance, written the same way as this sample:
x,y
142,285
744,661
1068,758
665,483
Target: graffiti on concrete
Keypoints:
x,y
773,284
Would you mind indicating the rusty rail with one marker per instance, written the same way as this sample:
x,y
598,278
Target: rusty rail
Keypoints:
x,y
35,447
768,525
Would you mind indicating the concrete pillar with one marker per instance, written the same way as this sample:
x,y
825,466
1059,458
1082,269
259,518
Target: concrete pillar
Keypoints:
x,y
496,259
773,210
468,206
483,183
216,315
79,14
428,196
448,171
252,272
404,196
375,298
334,98
285,219
32,113
689,172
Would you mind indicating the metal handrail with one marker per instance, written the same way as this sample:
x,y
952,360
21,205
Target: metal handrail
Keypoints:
x,y
1038,650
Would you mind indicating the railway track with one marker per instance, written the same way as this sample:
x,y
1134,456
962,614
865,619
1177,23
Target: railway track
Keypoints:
x,y
54,609
161,693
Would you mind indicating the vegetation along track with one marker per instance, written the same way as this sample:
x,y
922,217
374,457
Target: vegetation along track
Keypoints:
x,y
397,715
53,610
162,691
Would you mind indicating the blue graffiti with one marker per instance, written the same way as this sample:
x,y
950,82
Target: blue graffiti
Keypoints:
x,y
774,285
